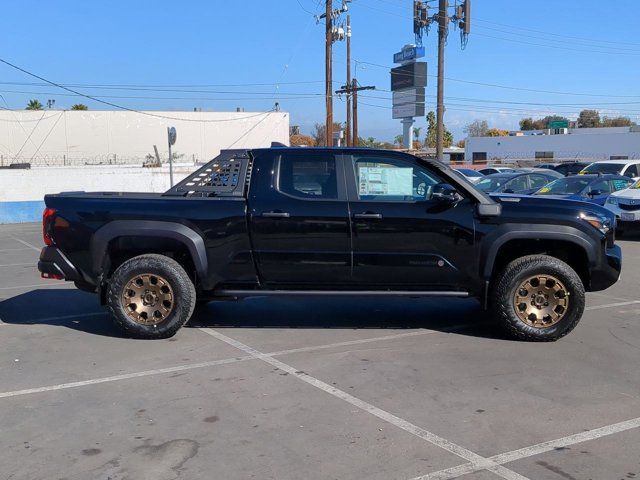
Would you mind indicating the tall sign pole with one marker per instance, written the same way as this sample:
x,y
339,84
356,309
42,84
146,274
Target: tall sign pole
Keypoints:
x,y
328,72
443,26
348,126
408,82
171,138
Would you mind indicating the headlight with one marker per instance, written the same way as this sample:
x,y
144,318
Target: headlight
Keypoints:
x,y
601,222
612,200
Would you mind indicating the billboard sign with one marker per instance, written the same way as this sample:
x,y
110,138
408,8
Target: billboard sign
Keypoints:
x,y
410,95
408,54
559,124
409,76
408,110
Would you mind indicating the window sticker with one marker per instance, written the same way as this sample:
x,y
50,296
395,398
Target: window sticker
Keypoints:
x,y
636,185
385,181
622,184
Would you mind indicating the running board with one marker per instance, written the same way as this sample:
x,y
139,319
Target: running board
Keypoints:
x,y
339,293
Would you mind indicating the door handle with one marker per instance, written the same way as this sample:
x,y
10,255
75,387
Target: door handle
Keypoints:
x,y
276,214
368,215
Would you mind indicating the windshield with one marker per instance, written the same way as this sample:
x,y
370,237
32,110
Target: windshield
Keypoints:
x,y
565,186
492,183
469,173
604,168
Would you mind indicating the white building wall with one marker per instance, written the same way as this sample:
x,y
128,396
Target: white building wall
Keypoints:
x,y
50,137
592,144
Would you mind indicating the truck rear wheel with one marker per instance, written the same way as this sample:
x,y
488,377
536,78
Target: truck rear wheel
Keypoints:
x,y
538,298
150,296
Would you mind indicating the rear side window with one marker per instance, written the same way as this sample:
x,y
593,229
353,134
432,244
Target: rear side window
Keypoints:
x,y
308,177
619,184
602,186
538,181
631,171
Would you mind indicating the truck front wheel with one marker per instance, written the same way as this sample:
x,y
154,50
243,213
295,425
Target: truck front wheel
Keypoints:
x,y
538,298
150,296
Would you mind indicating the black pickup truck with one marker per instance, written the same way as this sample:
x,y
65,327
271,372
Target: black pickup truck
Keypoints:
x,y
318,221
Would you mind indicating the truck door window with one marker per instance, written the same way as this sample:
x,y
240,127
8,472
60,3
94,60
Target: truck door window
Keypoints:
x,y
309,178
392,180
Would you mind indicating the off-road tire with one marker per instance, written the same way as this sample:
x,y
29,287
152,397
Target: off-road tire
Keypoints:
x,y
504,287
184,296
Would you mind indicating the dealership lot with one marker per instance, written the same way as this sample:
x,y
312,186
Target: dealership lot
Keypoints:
x,y
311,388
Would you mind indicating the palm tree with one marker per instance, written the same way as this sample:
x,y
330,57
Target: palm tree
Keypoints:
x,y
399,139
34,104
79,106
416,132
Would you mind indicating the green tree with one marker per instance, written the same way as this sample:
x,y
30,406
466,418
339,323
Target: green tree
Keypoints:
x,y
79,106
477,128
617,122
398,140
34,104
541,123
416,132
589,119
430,139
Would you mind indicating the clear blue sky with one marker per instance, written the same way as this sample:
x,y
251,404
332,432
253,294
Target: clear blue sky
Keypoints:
x,y
562,46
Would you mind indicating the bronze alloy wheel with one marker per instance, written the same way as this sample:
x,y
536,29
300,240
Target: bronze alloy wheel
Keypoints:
x,y
148,299
541,301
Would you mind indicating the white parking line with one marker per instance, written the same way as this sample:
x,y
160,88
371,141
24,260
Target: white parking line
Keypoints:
x,y
124,376
478,461
14,249
39,285
611,305
145,373
31,264
27,244
536,449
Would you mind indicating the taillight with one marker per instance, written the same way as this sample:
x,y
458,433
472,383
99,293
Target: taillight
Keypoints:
x,y
47,219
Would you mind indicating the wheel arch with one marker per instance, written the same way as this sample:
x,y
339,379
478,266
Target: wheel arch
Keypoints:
x,y
549,239
182,234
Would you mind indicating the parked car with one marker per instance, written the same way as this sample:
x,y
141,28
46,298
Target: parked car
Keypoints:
x,y
628,168
625,204
492,170
587,188
522,183
329,221
470,174
571,168
547,166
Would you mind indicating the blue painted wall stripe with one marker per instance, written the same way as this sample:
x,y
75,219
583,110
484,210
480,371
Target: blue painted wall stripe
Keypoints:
x,y
21,212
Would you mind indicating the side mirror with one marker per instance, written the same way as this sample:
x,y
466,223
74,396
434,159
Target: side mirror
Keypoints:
x,y
445,193
509,190
595,193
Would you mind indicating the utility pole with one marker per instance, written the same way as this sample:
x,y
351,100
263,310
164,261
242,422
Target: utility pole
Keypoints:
x,y
353,89
443,26
328,72
349,142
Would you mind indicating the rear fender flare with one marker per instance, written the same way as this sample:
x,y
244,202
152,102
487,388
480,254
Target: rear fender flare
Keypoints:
x,y
147,228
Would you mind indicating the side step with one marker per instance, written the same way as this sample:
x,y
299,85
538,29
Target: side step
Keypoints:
x,y
339,293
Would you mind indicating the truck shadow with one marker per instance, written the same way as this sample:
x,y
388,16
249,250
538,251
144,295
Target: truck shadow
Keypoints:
x,y
62,307
464,317
80,311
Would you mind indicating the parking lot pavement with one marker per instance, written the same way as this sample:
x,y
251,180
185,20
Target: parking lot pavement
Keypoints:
x,y
311,388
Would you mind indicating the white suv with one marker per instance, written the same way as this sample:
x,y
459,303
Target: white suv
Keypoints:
x,y
625,204
628,168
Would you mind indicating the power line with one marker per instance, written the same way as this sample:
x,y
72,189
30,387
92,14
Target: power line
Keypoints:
x,y
511,87
95,99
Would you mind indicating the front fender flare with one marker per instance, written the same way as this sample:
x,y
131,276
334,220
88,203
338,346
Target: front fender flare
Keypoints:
x,y
492,243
